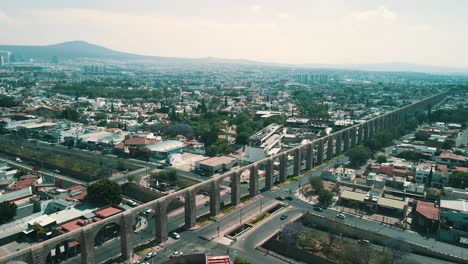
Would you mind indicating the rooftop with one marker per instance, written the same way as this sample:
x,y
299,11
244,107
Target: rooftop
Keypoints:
x,y
428,210
165,146
391,203
108,211
349,195
216,161
457,205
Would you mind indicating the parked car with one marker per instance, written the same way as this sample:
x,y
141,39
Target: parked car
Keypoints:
x,y
176,254
289,198
318,209
18,160
284,216
341,216
174,235
150,255
280,198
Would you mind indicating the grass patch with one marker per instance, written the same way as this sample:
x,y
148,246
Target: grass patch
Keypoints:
x,y
295,178
246,199
228,209
282,184
143,252
259,218
203,222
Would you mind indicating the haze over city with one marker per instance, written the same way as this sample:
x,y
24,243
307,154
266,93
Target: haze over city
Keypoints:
x,y
425,32
233,132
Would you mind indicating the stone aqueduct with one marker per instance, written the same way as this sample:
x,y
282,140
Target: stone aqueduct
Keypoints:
x,y
314,153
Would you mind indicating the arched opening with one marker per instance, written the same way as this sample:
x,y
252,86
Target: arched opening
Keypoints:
x,y
108,232
244,184
64,250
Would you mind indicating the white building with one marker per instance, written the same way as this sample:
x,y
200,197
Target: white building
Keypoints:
x,y
264,143
422,172
344,174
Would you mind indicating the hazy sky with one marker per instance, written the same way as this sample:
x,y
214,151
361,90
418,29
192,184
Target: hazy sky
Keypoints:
x,y
288,31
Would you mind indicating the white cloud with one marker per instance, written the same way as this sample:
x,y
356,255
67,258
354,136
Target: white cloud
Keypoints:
x,y
255,9
420,28
382,13
283,15
3,16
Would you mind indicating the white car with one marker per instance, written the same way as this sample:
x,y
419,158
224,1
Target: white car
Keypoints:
x,y
176,254
175,235
18,160
150,255
341,216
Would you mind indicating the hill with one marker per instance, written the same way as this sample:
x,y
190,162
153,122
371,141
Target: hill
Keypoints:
x,y
68,50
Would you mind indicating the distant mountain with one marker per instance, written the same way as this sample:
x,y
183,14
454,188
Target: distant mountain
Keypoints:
x,y
68,50
82,49
391,67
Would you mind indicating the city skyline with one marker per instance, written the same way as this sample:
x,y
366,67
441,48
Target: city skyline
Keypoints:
x,y
298,32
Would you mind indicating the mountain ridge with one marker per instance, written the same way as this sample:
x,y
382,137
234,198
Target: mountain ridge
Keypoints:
x,y
78,49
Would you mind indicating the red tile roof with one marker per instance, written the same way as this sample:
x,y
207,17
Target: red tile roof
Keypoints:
x,y
108,211
464,169
428,210
218,260
22,184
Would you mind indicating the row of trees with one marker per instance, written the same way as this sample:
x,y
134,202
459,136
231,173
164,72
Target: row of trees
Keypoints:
x,y
381,139
307,103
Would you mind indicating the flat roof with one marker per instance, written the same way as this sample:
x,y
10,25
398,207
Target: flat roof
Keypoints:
x,y
216,161
42,220
391,203
428,210
37,125
164,146
457,205
349,195
108,211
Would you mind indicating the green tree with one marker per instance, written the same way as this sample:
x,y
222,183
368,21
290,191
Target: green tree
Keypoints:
x,y
71,114
242,138
105,192
358,156
131,178
381,159
239,260
325,198
316,183
3,125
458,179
7,211
41,233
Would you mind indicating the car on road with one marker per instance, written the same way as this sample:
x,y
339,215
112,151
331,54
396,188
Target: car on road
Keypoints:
x,y
18,160
318,209
174,235
289,198
280,198
57,171
176,254
150,255
284,217
363,241
341,216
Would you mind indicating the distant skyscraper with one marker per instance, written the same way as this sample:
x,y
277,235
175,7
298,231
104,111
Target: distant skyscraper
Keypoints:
x,y
6,56
2,62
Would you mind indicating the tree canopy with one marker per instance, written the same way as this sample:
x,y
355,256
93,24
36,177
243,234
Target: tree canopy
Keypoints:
x,y
358,156
459,179
7,211
308,105
104,192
